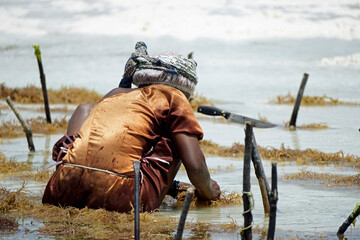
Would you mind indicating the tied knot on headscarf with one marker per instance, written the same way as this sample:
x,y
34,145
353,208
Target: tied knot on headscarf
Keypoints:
x,y
167,68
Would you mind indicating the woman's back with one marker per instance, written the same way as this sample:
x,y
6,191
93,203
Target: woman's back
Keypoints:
x,y
118,131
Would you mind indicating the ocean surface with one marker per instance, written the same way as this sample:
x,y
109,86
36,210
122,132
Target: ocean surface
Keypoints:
x,y
248,52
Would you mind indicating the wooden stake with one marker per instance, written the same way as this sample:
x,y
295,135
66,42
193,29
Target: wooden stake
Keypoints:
x,y
43,82
136,165
246,232
190,55
273,202
260,174
350,219
26,127
186,206
298,100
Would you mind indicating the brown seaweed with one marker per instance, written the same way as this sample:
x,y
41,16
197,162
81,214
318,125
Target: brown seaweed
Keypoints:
x,y
301,157
8,224
65,95
311,101
13,129
327,179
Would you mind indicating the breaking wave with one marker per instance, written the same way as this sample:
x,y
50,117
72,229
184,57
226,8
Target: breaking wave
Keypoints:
x,y
350,60
217,19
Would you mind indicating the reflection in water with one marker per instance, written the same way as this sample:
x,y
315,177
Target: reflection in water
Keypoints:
x,y
47,152
30,157
295,139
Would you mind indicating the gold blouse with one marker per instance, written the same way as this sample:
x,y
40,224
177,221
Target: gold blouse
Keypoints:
x,y
119,130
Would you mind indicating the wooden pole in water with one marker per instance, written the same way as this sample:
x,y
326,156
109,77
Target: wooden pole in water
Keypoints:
x,y
43,83
186,206
246,232
260,174
190,55
136,165
273,202
26,127
350,219
298,100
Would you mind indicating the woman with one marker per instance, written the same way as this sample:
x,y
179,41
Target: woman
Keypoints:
x,y
153,124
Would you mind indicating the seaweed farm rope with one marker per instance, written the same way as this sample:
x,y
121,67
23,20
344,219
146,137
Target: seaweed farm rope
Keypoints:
x,y
96,169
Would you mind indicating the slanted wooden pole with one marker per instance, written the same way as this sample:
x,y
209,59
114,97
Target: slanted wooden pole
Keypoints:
x,y
186,206
190,55
26,127
246,232
298,100
136,165
273,202
43,83
350,219
260,174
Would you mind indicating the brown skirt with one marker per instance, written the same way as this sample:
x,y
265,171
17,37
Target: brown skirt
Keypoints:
x,y
81,187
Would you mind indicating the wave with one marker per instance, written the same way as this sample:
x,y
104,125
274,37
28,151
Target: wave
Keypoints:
x,y
218,19
350,60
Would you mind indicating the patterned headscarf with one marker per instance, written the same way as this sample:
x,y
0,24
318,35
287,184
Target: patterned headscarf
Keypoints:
x,y
167,68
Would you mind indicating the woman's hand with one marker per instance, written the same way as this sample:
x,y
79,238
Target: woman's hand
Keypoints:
x,y
215,189
215,192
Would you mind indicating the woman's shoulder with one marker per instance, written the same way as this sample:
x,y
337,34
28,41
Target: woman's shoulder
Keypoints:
x,y
118,90
161,89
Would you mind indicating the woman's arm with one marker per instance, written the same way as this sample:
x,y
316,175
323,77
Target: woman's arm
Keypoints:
x,y
195,165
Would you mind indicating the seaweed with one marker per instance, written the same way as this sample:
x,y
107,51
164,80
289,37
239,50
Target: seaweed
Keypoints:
x,y
229,168
301,157
310,157
327,179
313,126
74,223
65,95
22,170
226,199
16,202
199,100
11,167
8,224
41,175
211,148
311,101
71,95
13,129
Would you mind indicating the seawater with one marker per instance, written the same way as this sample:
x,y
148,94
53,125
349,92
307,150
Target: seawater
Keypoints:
x,y
247,53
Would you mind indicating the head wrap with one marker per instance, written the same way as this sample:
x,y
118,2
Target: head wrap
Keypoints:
x,y
167,68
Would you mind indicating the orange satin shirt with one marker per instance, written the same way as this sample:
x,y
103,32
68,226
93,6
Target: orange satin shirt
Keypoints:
x,y
119,130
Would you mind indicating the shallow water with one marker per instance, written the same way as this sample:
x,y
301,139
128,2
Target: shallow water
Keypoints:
x,y
246,52
304,207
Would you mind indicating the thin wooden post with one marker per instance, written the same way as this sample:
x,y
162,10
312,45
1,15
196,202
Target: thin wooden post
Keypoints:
x,y
273,202
136,165
190,55
246,232
260,174
350,219
186,206
26,127
43,83
298,100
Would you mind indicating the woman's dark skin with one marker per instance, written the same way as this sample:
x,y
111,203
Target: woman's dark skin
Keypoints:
x,y
186,144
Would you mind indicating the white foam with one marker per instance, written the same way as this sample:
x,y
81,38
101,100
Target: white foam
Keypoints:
x,y
350,60
12,21
219,19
